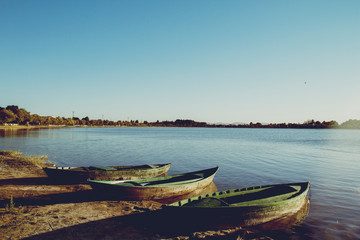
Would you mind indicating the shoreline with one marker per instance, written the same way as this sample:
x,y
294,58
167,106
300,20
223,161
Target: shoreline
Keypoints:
x,y
20,127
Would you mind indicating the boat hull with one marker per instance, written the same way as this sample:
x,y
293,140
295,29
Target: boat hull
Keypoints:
x,y
160,191
82,174
230,216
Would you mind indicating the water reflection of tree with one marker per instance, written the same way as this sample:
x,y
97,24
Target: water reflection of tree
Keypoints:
x,y
13,132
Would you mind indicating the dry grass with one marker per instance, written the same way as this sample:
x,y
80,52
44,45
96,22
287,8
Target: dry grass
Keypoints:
x,y
17,156
11,154
11,207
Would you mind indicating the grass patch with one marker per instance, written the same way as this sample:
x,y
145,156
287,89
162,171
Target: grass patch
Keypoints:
x,y
38,160
11,154
11,208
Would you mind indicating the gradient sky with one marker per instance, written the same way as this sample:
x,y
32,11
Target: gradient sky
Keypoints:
x,y
214,61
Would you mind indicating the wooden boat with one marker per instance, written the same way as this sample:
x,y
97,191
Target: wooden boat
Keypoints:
x,y
157,188
288,221
241,207
81,174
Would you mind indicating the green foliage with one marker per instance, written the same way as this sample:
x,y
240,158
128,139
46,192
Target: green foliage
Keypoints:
x,y
11,154
23,116
7,116
38,160
13,108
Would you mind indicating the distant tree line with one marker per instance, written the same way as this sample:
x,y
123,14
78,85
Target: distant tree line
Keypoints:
x,y
308,124
15,115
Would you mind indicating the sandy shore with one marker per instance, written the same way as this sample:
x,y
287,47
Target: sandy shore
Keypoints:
x,y
42,209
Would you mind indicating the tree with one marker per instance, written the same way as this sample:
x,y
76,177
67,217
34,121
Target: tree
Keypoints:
x,y
23,116
7,116
331,124
35,119
13,108
85,120
58,121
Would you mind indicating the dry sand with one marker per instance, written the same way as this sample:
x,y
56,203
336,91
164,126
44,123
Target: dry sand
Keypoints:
x,y
49,210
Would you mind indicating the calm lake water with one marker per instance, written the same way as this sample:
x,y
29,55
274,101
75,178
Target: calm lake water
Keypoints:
x,y
329,159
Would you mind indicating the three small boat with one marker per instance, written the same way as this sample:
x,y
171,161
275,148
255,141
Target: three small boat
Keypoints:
x,y
159,187
81,174
245,206
236,207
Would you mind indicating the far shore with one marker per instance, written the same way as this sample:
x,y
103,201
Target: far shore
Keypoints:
x,y
24,127
16,127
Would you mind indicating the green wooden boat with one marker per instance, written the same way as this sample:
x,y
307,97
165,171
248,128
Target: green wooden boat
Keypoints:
x,y
159,187
241,207
81,174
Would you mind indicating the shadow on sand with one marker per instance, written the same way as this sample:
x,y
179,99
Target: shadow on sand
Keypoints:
x,y
149,225
82,195
32,181
57,198
158,225
38,186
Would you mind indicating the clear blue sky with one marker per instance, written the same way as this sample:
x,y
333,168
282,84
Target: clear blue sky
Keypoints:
x,y
213,61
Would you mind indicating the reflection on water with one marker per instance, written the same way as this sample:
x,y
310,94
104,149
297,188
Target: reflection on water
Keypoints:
x,y
24,132
14,132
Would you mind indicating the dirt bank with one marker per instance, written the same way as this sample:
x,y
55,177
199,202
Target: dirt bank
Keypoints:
x,y
34,207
